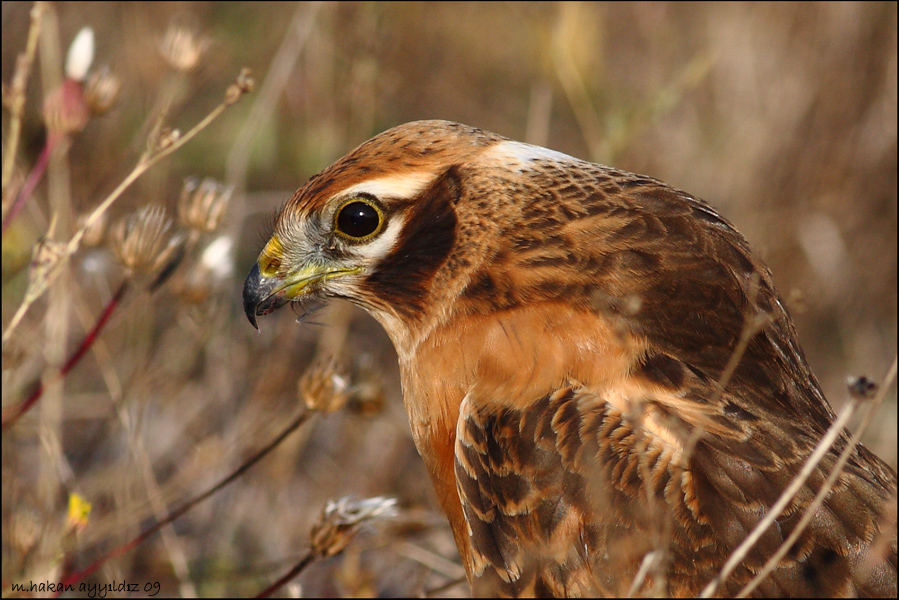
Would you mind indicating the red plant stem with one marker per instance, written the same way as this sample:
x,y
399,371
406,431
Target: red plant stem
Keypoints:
x,y
15,412
37,172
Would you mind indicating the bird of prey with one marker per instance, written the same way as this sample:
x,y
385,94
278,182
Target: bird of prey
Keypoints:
x,y
563,331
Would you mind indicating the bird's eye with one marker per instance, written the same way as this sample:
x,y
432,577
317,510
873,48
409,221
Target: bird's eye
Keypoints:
x,y
358,219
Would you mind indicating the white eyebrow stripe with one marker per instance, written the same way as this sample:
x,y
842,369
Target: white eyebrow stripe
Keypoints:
x,y
514,154
406,185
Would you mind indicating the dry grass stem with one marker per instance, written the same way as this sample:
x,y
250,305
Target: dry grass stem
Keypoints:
x,y
858,396
146,161
821,450
273,85
431,560
14,98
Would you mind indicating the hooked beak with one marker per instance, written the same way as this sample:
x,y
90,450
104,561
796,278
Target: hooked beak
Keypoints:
x,y
259,295
263,294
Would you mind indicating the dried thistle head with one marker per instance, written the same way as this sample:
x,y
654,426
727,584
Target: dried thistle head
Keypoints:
x,y
102,91
142,241
322,388
368,398
202,203
182,47
341,520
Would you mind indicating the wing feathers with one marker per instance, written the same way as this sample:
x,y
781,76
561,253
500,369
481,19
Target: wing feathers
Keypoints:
x,y
564,479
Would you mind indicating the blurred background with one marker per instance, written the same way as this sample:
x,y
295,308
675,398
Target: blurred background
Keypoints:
x,y
781,115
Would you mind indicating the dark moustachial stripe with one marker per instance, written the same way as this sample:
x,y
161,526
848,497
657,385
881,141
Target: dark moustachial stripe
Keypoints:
x,y
404,277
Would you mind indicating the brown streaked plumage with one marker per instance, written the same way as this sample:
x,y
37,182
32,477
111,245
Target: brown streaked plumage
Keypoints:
x,y
561,328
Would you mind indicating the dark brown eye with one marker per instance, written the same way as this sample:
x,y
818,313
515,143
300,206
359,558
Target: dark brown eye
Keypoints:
x,y
358,220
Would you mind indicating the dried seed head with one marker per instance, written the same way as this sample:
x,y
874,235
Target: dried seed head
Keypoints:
x,y
202,204
861,387
65,109
322,388
242,85
141,242
182,47
80,55
102,91
167,137
340,520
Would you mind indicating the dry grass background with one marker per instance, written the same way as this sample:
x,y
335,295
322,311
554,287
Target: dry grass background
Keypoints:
x,y
784,116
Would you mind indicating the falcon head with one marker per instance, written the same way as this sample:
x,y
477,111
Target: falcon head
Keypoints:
x,y
381,228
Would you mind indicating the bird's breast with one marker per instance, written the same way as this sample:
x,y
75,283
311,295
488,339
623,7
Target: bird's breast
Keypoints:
x,y
506,359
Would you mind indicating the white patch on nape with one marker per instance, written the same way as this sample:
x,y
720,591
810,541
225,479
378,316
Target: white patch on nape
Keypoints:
x,y
405,185
382,244
520,156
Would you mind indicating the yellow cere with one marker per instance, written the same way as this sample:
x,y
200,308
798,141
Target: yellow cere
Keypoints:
x,y
270,259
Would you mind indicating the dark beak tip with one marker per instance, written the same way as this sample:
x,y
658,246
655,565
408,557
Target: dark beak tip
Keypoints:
x,y
251,294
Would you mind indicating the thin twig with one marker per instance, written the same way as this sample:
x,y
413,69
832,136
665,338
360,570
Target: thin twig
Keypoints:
x,y
650,562
37,172
658,559
431,560
442,588
751,327
786,497
293,572
146,161
76,576
17,92
822,494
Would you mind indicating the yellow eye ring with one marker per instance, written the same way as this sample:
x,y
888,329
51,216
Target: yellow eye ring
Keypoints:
x,y
358,219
